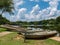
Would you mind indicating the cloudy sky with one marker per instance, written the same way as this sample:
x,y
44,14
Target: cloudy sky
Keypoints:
x,y
34,10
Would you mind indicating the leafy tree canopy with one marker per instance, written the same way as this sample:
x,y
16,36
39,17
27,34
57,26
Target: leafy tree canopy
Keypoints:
x,y
6,6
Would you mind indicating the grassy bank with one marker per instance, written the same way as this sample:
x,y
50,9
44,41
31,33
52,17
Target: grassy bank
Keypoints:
x,y
10,40
2,29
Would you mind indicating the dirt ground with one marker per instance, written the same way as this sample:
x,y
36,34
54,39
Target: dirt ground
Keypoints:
x,y
55,38
4,33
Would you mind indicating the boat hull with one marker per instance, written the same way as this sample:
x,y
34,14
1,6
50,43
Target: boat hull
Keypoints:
x,y
39,36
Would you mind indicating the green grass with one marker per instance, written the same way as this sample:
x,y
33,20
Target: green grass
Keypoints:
x,y
9,40
2,29
51,42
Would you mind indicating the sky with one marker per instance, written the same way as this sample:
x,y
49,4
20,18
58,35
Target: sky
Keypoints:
x,y
34,10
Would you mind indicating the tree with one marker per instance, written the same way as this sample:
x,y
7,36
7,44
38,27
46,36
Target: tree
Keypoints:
x,y
6,6
3,20
58,24
58,20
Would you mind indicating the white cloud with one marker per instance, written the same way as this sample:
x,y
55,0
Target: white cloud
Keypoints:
x,y
17,3
35,10
49,12
20,12
35,0
46,0
19,15
32,14
53,4
17,10
50,0
37,14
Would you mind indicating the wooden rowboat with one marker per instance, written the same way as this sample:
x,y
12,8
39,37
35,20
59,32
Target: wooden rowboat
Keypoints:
x,y
37,35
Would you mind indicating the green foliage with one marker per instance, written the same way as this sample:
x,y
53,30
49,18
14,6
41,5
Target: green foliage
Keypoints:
x,y
58,20
6,6
51,42
58,24
2,29
3,20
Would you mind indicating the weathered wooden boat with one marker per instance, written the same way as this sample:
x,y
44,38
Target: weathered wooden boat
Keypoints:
x,y
37,35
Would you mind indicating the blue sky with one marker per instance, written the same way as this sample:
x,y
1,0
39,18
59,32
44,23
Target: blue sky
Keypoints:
x,y
34,10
